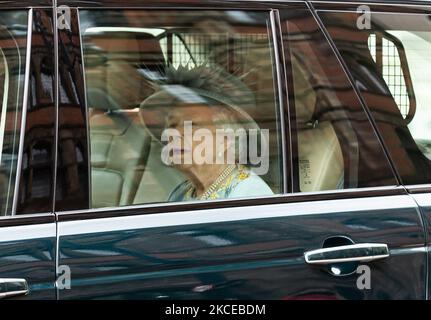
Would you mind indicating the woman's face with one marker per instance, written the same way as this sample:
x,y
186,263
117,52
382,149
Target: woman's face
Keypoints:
x,y
200,117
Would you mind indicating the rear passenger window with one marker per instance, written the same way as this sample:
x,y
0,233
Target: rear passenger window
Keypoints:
x,y
13,41
391,65
182,106
336,146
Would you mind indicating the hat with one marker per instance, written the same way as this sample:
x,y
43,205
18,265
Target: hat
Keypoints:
x,y
201,85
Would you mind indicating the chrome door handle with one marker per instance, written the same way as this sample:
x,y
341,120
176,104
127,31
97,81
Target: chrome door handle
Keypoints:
x,y
361,252
13,287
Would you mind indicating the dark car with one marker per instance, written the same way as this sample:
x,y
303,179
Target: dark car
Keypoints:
x,y
325,106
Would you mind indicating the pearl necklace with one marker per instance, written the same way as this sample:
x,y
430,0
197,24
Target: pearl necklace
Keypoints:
x,y
216,184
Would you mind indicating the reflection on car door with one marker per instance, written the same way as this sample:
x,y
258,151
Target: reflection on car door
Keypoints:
x,y
27,257
28,242
244,252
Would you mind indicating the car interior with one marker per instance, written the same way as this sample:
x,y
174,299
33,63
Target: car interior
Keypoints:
x,y
320,157
125,160
126,166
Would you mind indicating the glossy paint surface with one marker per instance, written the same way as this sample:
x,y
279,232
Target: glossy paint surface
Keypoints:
x,y
235,253
28,251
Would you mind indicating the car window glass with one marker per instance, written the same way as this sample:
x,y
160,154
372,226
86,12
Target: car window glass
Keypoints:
x,y
13,36
182,107
390,62
337,147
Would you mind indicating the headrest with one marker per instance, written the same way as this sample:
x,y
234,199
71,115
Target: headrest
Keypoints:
x,y
115,63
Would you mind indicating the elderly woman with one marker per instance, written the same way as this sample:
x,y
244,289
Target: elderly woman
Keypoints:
x,y
208,103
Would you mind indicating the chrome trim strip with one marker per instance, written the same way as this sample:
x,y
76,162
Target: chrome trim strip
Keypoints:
x,y
26,220
56,102
342,250
281,107
180,4
395,13
26,216
281,197
352,190
24,110
417,186
87,119
27,232
178,218
56,97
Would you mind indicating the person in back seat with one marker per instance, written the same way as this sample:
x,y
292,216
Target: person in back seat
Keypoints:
x,y
201,113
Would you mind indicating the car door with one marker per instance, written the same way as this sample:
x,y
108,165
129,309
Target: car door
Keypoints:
x,y
27,133
402,115
338,225
421,194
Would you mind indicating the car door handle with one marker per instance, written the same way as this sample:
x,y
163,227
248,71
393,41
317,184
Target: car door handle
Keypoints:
x,y
10,287
361,252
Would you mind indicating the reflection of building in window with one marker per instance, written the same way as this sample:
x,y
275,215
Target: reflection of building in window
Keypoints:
x,y
12,54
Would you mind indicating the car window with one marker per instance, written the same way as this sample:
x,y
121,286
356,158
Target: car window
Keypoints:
x,y
390,61
13,35
336,146
182,106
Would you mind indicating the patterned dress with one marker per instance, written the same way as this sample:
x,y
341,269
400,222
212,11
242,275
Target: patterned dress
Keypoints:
x,y
241,183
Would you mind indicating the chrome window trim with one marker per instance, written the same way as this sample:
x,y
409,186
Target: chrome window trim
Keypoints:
x,y
76,227
418,186
29,4
275,30
181,4
25,216
56,96
56,139
24,110
27,220
228,6
234,203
